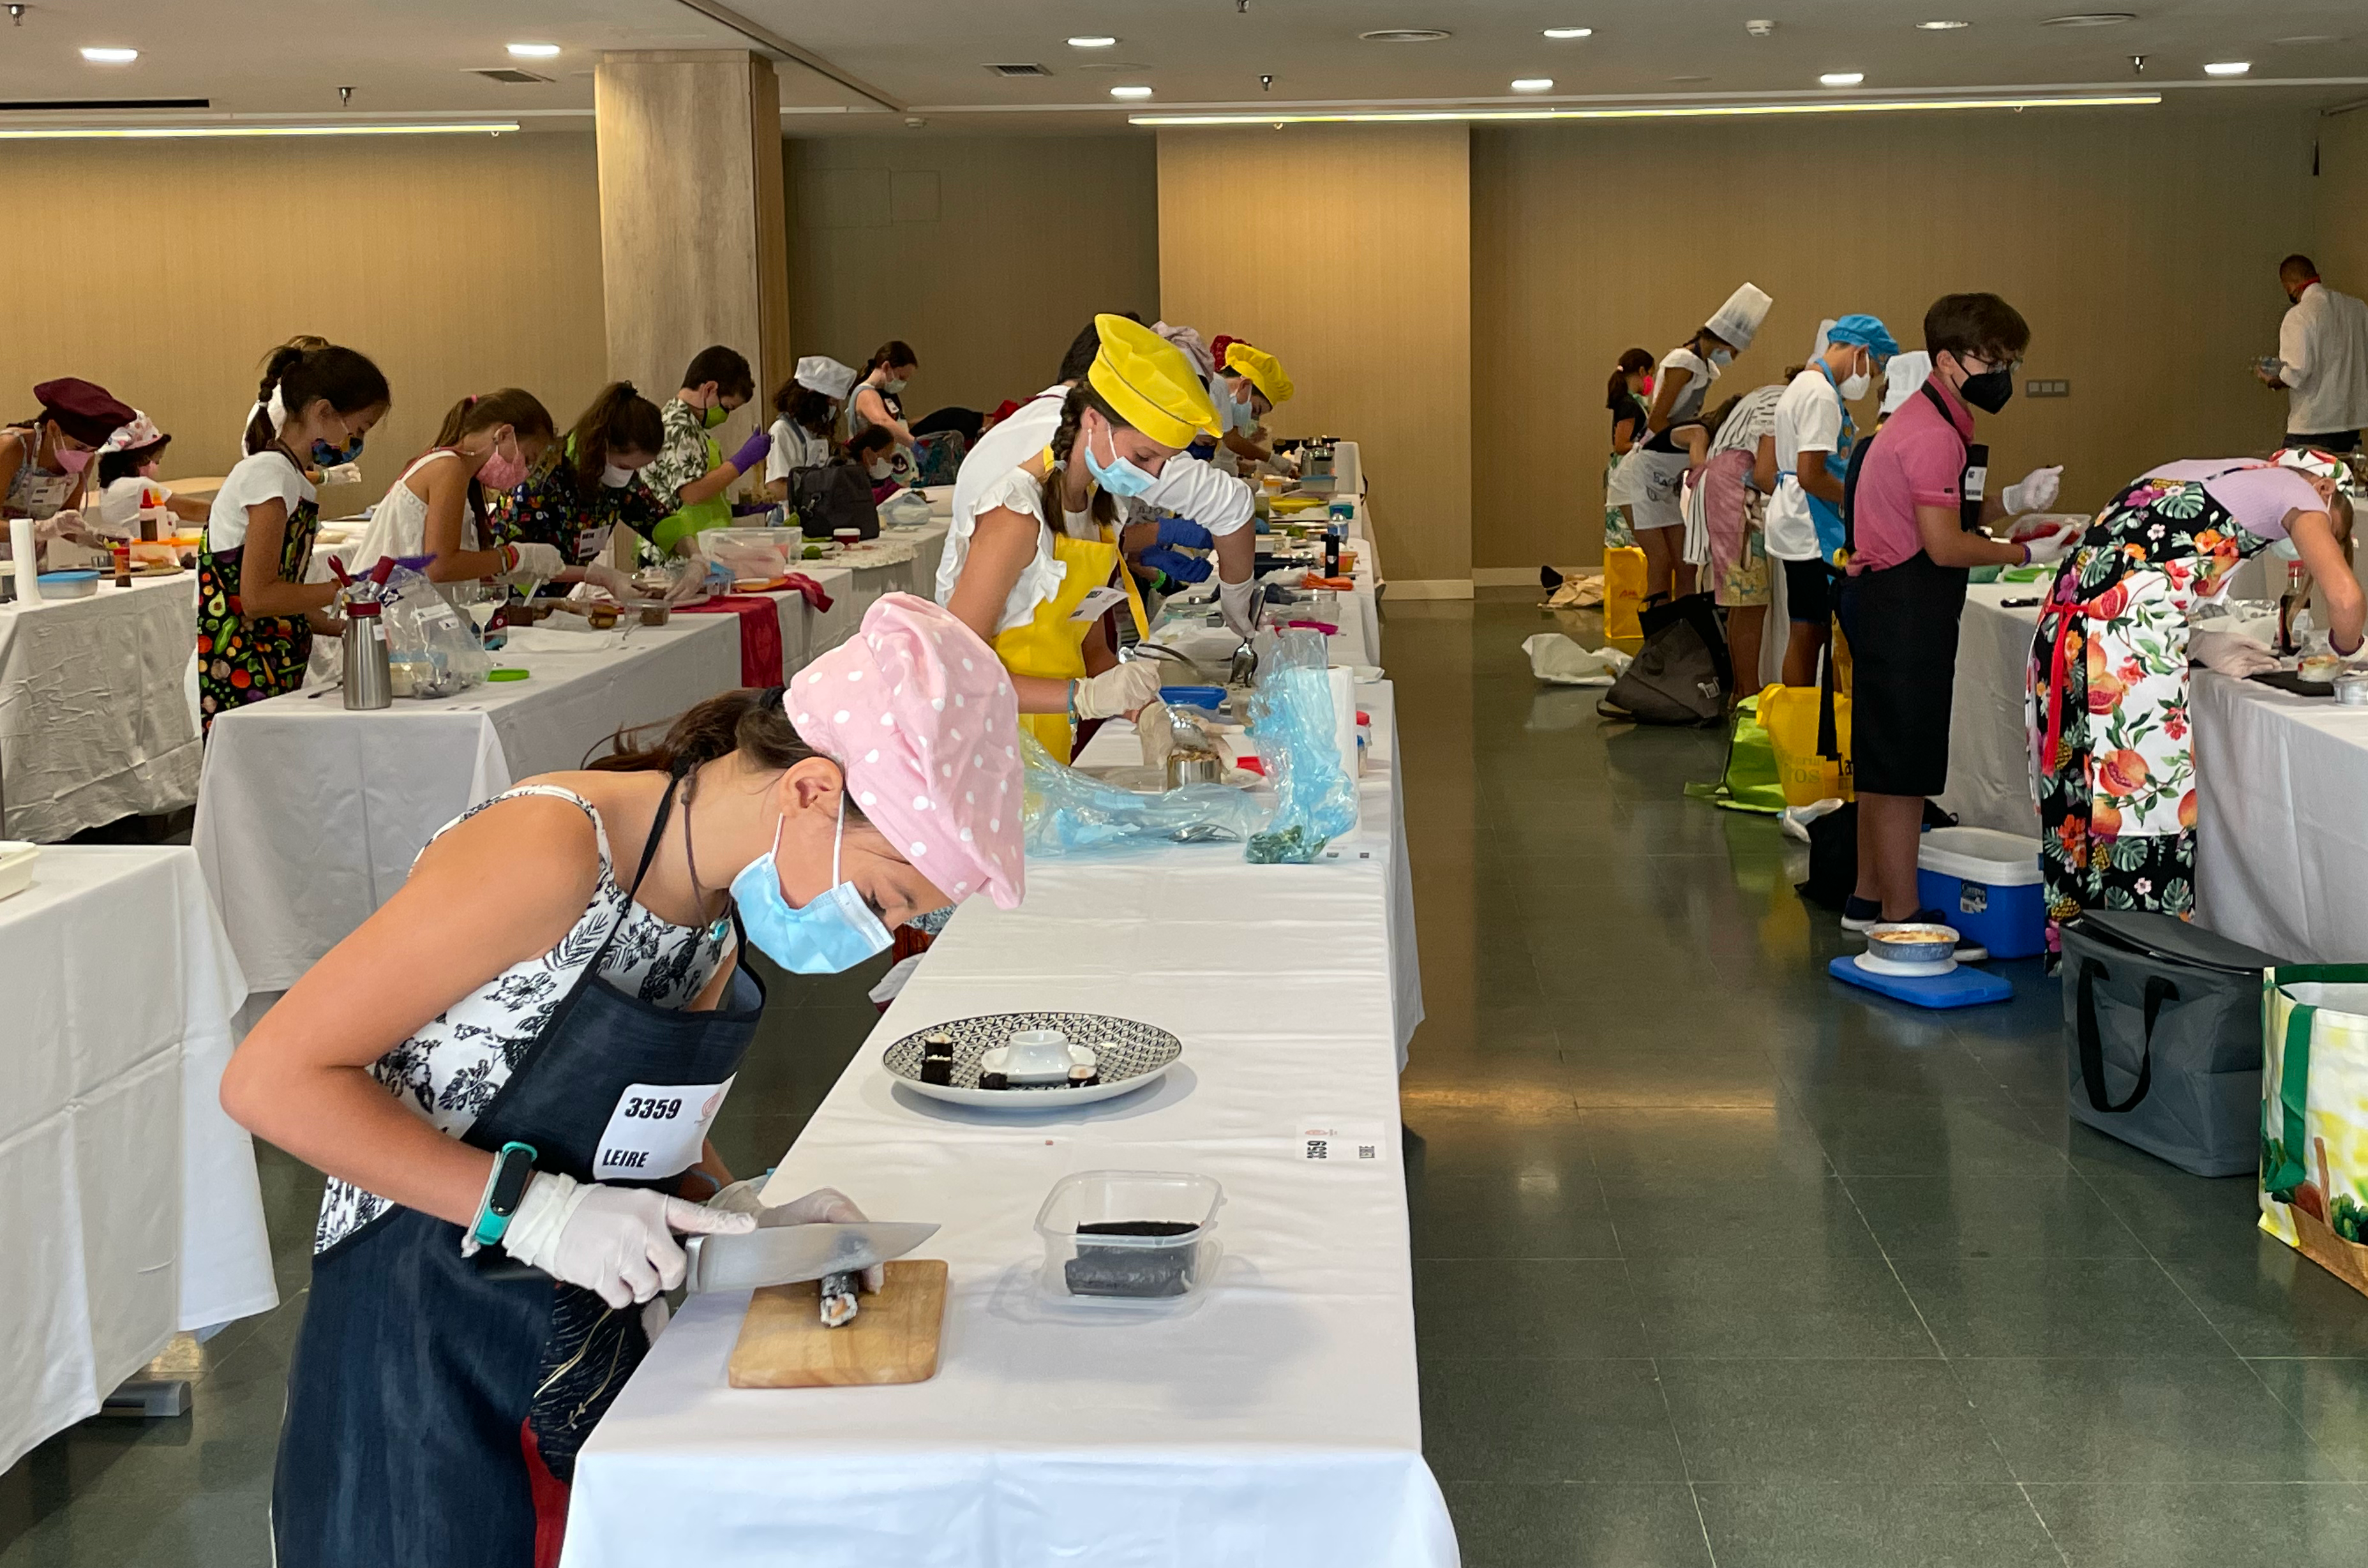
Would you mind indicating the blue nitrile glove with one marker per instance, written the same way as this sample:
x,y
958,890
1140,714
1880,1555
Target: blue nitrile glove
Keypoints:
x,y
1186,532
1176,564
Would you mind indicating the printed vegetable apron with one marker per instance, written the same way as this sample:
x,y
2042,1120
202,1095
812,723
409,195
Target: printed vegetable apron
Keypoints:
x,y
1053,644
2105,700
243,660
435,1403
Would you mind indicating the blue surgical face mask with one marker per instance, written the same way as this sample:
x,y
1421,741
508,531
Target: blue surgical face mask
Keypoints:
x,y
833,933
1121,478
1244,418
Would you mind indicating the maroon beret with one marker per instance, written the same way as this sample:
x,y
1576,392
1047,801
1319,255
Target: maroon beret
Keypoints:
x,y
84,410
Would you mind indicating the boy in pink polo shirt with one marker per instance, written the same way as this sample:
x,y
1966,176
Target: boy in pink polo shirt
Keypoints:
x,y
1917,516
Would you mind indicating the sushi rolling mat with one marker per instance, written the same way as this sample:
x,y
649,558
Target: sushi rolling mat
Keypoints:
x,y
892,1340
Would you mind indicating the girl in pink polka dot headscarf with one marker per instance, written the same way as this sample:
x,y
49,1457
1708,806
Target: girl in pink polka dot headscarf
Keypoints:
x,y
920,715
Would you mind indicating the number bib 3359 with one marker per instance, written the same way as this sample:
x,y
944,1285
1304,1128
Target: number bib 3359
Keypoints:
x,y
658,1129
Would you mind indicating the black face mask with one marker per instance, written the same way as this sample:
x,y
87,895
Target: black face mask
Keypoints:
x,y
1989,391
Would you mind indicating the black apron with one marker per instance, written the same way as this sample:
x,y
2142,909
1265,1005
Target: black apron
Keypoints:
x,y
1902,624
421,1377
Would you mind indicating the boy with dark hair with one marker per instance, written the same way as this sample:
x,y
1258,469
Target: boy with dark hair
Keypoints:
x,y
1917,514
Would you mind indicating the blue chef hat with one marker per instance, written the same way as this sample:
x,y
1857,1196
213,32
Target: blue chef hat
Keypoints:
x,y
1865,332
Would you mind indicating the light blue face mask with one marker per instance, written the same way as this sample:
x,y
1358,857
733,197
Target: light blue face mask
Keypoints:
x,y
1244,418
833,933
1122,479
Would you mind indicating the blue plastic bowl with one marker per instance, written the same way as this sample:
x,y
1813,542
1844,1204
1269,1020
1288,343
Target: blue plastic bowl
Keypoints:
x,y
1212,697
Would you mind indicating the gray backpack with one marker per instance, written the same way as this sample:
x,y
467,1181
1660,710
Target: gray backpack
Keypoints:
x,y
1681,675
2162,1034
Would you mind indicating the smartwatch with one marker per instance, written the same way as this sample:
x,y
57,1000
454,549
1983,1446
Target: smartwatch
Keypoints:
x,y
513,1168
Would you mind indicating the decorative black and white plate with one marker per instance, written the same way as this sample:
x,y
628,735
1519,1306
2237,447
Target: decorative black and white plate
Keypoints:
x,y
1128,1056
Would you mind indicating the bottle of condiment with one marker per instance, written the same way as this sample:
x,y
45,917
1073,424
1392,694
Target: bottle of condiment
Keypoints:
x,y
123,566
2290,604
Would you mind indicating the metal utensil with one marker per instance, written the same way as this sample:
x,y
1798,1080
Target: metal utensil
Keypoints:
x,y
784,1255
1244,668
1155,651
1194,768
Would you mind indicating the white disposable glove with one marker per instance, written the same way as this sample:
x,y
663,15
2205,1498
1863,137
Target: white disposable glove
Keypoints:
x,y
1285,463
687,584
2036,492
1239,601
342,474
1122,688
2047,548
822,1206
618,585
2230,652
615,1241
535,563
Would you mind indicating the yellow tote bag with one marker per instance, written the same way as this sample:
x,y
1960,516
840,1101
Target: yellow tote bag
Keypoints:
x,y
1789,714
1624,597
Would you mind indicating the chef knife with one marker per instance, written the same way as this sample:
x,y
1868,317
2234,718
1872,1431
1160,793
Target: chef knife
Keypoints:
x,y
784,1255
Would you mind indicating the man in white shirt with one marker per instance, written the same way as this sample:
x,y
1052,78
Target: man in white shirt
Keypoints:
x,y
2322,361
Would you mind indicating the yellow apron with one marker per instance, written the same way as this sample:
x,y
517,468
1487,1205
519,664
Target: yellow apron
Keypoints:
x,y
715,512
1054,646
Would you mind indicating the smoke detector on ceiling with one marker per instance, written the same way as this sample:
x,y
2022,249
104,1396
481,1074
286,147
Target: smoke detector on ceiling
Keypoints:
x,y
1761,29
507,74
1020,69
1404,35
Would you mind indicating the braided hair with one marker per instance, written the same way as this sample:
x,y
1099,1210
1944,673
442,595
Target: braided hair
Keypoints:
x,y
1064,439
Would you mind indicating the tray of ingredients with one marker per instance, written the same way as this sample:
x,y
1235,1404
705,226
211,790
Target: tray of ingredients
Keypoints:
x,y
1032,1061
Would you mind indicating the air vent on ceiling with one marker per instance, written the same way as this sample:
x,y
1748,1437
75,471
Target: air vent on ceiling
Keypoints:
x,y
507,74
2091,19
1019,71
1404,35
50,106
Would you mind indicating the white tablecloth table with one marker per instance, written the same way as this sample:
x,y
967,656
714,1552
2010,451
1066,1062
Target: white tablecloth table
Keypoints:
x,y
310,816
2282,814
1276,1424
128,1204
95,721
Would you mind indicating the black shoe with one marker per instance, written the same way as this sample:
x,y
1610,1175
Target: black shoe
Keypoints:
x,y
1858,914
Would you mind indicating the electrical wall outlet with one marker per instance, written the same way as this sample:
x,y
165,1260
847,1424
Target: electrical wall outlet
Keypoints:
x,y
2048,388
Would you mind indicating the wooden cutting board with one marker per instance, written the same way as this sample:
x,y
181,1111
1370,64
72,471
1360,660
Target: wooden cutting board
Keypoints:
x,y
892,1340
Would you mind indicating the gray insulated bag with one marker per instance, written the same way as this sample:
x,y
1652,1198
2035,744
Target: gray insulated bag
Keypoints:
x,y
1681,675
2162,1032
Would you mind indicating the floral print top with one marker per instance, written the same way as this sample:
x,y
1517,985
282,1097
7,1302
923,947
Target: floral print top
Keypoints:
x,y
549,508
681,458
449,1070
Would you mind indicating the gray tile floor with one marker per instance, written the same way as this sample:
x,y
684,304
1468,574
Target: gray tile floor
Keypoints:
x,y
1715,1262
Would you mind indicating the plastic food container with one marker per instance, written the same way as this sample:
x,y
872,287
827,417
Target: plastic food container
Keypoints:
x,y
77,585
1986,884
1210,698
17,858
1130,1239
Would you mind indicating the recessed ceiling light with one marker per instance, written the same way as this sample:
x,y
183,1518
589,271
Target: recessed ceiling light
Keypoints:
x,y
1131,92
534,50
1940,27
2308,38
1689,78
1842,78
110,56
1532,84
2227,68
1092,40
1404,35
2091,19
1570,32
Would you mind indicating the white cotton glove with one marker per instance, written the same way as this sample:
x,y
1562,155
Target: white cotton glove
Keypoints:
x,y
616,1241
2045,548
618,585
2230,652
535,563
2036,493
1122,688
1240,603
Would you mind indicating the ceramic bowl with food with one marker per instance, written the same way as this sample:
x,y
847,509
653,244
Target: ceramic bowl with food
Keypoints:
x,y
1912,944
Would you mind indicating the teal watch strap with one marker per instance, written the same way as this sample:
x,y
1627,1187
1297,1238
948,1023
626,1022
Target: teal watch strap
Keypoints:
x,y
513,1168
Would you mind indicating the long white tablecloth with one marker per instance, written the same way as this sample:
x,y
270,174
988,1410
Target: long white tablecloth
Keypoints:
x,y
95,721
310,816
1278,1424
129,1205
2282,789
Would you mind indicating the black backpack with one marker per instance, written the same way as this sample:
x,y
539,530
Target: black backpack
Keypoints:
x,y
831,496
1681,674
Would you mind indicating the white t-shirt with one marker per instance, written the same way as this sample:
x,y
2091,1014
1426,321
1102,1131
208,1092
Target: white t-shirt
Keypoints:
x,y
259,477
115,511
794,445
991,475
1808,420
1701,371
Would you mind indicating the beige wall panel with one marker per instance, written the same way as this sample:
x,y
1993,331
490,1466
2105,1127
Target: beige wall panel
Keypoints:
x,y
459,264
2340,197
1346,250
2142,244
950,243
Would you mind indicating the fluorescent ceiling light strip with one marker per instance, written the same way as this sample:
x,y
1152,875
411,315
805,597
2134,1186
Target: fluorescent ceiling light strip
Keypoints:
x,y
158,133
1367,116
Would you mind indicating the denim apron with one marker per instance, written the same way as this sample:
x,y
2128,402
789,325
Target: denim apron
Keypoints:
x,y
435,1401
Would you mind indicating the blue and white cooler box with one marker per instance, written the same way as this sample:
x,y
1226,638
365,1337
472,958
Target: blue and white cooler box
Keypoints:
x,y
1985,883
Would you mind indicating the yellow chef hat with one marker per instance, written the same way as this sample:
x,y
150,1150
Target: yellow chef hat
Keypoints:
x,y
1150,382
1265,371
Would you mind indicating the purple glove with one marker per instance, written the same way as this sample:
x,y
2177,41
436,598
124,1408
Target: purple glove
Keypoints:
x,y
751,452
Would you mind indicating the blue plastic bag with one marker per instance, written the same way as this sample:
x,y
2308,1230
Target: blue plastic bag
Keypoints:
x,y
1290,719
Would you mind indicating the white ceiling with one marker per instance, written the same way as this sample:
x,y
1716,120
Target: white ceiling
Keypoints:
x,y
928,57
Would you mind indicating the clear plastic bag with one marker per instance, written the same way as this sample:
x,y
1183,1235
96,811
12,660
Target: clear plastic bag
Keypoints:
x,y
431,648
1069,813
1292,720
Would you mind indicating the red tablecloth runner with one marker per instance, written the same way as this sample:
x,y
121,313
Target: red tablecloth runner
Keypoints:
x,y
761,634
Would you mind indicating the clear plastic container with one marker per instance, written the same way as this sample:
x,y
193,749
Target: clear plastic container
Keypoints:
x,y
1159,1246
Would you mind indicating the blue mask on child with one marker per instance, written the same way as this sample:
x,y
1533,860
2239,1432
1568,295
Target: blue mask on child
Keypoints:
x,y
1122,479
328,456
833,933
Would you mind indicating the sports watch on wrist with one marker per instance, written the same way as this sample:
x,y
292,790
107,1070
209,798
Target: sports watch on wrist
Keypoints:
x,y
513,1168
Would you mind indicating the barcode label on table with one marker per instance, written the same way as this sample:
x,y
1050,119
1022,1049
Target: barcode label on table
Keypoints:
x,y
1328,1140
